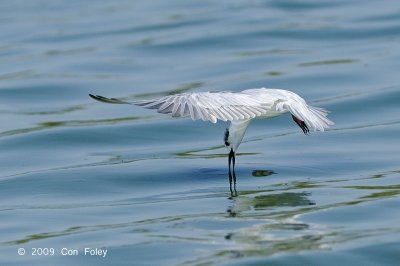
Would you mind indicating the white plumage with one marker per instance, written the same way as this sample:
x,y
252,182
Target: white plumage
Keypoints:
x,y
247,104
237,107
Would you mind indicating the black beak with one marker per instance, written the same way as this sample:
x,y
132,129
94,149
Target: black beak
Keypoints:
x,y
231,159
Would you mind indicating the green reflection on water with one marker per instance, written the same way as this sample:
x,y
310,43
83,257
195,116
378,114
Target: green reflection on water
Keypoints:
x,y
270,52
56,112
194,153
260,173
70,123
283,199
274,73
328,62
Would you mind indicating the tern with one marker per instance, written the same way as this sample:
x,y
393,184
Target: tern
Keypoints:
x,y
239,108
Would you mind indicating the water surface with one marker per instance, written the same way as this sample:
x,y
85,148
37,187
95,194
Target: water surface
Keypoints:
x,y
153,190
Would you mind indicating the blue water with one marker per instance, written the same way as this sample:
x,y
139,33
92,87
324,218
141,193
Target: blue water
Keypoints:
x,y
153,190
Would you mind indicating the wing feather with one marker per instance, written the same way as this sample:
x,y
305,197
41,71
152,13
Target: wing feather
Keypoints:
x,y
229,106
211,106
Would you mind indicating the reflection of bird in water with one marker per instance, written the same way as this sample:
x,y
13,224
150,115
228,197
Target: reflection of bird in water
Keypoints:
x,y
239,108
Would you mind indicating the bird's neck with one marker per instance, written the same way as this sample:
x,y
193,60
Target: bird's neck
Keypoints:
x,y
237,128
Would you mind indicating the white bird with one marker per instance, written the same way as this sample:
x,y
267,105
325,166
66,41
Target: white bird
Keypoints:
x,y
237,107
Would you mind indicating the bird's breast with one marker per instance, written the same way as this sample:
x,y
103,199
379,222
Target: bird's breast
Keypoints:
x,y
235,132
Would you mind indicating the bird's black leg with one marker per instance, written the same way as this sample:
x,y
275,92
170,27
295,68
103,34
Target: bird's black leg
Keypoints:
x,y
230,174
234,174
231,159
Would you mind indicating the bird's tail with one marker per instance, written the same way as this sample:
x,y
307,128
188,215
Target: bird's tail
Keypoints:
x,y
315,118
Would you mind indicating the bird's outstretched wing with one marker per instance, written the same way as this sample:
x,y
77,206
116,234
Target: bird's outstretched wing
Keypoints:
x,y
229,106
207,106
